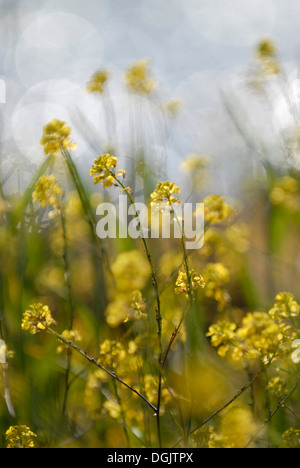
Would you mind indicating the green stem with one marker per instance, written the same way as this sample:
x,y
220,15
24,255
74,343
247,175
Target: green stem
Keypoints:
x,y
158,306
100,366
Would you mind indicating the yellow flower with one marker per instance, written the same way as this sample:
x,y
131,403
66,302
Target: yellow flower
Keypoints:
x,y
103,170
291,438
70,335
277,388
285,307
216,210
20,437
164,193
138,80
111,352
266,49
216,276
97,82
182,283
113,409
267,56
138,307
195,162
49,194
172,107
37,318
285,192
56,137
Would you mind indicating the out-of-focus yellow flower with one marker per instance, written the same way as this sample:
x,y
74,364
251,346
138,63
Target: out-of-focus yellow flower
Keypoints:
x,y
111,352
138,307
195,162
291,438
113,409
172,107
20,437
131,271
104,170
56,137
138,79
71,335
266,54
216,210
285,307
216,276
49,194
238,426
277,388
285,192
182,283
117,312
164,193
98,82
37,318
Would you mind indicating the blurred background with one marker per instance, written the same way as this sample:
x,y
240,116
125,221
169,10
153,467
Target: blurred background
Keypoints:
x,y
200,52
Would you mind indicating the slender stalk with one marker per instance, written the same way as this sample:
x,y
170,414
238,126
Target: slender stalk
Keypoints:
x,y
98,364
122,413
281,404
158,306
220,410
70,301
190,293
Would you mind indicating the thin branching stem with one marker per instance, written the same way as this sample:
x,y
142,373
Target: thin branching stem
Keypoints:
x,y
220,410
94,361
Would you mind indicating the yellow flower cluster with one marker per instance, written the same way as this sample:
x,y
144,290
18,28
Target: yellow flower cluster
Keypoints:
x,y
98,81
266,54
131,272
71,335
285,192
111,353
172,107
195,162
56,137
285,307
236,428
103,170
277,388
49,194
37,318
291,438
216,276
20,437
182,283
164,193
138,79
138,307
112,409
216,210
260,336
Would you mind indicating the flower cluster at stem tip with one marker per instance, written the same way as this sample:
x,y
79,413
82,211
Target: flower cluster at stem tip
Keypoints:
x,y
37,318
104,170
56,137
20,437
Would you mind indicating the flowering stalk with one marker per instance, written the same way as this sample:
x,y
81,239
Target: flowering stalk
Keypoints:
x,y
158,305
104,171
